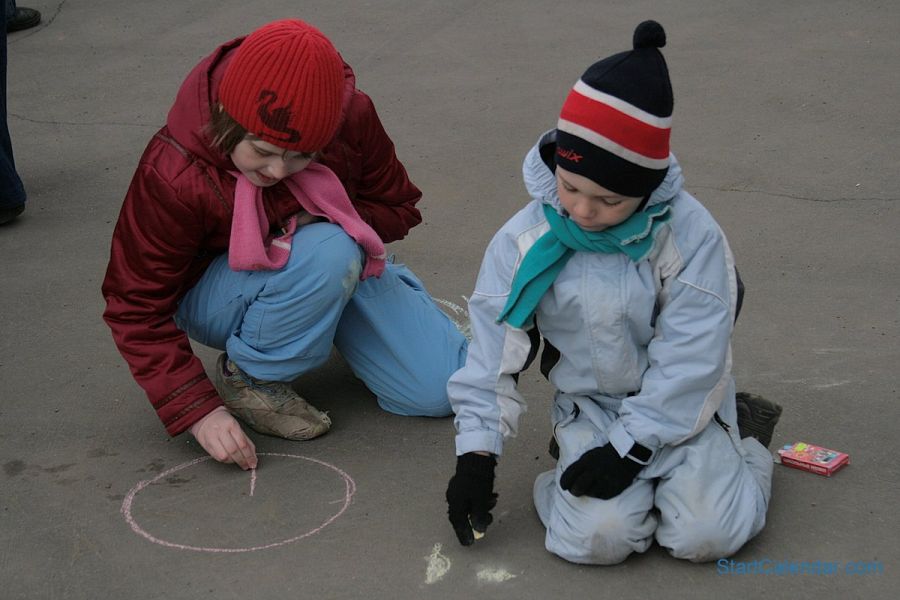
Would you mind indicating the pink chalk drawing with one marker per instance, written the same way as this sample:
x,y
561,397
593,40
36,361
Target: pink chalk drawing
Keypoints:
x,y
128,502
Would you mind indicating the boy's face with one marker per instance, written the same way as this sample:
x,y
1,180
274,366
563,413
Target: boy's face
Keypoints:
x,y
265,164
592,207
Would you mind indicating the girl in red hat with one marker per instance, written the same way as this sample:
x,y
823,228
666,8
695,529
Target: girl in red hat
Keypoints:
x,y
255,224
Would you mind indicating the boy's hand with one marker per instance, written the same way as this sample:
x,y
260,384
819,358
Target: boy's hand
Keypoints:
x,y
222,437
602,473
470,496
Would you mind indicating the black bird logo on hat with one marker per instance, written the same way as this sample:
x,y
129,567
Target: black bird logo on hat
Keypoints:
x,y
276,119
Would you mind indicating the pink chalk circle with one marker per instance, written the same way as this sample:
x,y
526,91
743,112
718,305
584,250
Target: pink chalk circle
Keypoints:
x,y
128,502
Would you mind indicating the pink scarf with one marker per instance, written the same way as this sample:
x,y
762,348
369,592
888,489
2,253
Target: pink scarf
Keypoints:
x,y
319,193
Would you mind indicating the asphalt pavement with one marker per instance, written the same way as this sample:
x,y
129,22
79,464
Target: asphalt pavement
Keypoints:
x,y
787,127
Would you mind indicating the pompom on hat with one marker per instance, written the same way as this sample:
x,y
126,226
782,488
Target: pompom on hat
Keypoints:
x,y
614,125
285,85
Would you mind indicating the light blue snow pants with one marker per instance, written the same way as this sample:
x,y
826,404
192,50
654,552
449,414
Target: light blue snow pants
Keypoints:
x,y
277,325
702,499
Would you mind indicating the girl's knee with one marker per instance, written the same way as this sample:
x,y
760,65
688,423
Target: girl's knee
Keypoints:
x,y
422,391
322,242
432,396
425,403
325,253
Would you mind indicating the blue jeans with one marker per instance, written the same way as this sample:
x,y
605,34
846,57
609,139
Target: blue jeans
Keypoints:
x,y
277,325
12,192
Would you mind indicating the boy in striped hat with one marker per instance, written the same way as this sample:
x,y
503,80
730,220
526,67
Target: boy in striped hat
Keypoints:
x,y
631,285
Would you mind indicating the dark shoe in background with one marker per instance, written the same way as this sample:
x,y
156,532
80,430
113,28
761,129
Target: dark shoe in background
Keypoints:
x,y
9,214
24,18
756,417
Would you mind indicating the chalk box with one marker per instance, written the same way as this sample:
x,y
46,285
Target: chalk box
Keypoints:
x,y
812,458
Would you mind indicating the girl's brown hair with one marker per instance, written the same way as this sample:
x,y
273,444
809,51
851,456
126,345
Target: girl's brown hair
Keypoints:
x,y
224,132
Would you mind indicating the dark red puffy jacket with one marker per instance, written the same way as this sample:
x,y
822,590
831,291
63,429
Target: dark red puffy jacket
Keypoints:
x,y
176,217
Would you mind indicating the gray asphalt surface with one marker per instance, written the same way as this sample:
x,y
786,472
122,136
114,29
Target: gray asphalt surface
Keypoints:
x,y
787,127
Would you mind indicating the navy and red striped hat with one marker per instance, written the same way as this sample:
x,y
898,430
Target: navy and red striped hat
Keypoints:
x,y
614,125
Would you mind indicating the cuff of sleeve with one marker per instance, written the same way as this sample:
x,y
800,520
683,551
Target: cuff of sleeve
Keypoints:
x,y
193,412
479,441
622,441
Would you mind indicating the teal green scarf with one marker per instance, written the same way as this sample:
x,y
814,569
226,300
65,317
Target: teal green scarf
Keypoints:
x,y
548,256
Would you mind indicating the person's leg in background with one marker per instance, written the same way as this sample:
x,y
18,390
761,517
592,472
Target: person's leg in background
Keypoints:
x,y
12,192
18,18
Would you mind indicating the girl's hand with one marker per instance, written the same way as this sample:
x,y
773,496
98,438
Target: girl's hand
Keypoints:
x,y
222,437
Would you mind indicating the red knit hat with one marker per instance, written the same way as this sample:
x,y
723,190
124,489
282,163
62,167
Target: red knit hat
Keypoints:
x,y
285,85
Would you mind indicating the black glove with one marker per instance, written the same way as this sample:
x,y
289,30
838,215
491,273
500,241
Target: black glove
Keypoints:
x,y
602,473
470,496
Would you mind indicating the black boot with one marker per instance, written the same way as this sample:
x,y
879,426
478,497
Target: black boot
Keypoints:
x,y
9,214
23,18
756,417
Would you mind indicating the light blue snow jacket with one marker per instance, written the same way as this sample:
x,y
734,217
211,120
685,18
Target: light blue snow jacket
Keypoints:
x,y
651,340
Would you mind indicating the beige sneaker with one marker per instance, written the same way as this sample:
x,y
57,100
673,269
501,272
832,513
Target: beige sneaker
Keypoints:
x,y
269,407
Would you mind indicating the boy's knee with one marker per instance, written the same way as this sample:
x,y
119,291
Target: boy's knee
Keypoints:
x,y
700,539
713,523
606,537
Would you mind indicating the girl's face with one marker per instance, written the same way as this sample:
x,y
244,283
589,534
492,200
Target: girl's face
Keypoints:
x,y
265,164
591,206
